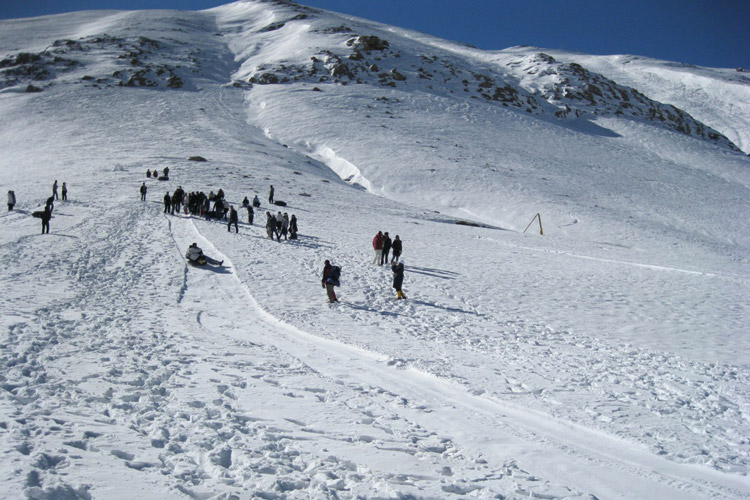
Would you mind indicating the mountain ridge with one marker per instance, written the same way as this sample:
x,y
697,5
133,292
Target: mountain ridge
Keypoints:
x,y
549,87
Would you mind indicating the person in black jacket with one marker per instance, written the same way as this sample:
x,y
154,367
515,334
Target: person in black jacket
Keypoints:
x,y
293,227
398,278
396,246
233,219
329,281
167,203
386,248
46,216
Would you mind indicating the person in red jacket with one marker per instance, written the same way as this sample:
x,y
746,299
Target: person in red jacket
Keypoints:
x,y
377,244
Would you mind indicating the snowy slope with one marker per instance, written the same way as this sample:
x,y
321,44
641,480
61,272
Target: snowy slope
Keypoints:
x,y
605,359
718,97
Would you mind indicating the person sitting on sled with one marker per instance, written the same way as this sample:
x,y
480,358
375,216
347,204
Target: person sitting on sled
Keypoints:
x,y
195,255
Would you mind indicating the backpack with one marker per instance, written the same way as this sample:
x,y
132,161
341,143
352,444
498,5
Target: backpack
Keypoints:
x,y
334,274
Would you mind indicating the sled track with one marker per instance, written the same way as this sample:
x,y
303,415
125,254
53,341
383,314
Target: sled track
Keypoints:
x,y
500,427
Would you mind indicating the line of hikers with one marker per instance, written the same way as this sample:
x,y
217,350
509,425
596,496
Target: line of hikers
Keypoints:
x,y
382,245
281,225
332,276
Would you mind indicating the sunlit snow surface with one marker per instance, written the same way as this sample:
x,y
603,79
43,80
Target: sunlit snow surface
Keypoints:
x,y
606,359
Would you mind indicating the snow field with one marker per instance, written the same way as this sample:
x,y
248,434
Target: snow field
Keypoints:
x,y
603,360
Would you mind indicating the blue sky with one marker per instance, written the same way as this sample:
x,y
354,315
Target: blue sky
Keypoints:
x,y
703,32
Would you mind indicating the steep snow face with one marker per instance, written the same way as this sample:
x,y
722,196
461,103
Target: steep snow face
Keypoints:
x,y
605,359
719,98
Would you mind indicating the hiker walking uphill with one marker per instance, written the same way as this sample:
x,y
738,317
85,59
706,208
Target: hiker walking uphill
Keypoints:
x,y
11,199
386,248
398,278
331,275
377,245
233,219
293,227
143,191
396,246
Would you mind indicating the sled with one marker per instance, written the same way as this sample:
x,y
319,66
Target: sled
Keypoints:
x,y
200,261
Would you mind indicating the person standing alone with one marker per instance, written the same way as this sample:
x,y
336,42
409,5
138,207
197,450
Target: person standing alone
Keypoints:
x,y
398,278
46,216
143,191
330,280
11,199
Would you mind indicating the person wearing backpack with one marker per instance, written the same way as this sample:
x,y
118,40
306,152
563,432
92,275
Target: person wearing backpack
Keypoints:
x,y
398,278
330,280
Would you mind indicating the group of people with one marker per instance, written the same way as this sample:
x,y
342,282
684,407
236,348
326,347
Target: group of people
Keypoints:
x,y
64,191
383,245
155,175
46,214
49,205
277,226
251,208
196,203
281,225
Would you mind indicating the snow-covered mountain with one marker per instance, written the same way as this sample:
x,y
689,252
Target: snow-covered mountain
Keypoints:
x,y
604,359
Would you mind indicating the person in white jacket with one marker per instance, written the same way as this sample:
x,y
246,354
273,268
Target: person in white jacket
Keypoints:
x,y
195,255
